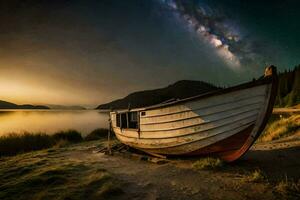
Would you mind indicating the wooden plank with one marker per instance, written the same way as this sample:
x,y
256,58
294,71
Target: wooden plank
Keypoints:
x,y
183,129
198,120
169,142
216,111
207,110
211,101
204,130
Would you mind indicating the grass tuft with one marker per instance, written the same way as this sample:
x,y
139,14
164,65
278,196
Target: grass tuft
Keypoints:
x,y
255,176
208,163
288,188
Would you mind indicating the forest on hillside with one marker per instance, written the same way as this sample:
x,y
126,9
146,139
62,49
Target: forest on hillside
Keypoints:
x,y
289,88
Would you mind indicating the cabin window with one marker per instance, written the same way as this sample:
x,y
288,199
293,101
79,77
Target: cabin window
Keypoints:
x,y
127,120
143,113
133,116
118,120
132,119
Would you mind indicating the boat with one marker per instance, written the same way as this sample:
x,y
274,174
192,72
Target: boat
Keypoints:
x,y
223,123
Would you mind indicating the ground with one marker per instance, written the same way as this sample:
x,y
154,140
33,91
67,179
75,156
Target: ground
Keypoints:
x,y
81,172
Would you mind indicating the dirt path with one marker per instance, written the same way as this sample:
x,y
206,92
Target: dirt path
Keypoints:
x,y
278,159
286,110
178,180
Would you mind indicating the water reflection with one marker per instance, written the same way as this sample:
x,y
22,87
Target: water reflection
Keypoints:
x,y
50,121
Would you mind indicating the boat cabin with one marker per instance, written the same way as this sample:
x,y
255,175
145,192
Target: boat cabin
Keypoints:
x,y
125,119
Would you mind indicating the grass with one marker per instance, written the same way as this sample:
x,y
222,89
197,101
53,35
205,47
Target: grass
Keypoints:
x,y
97,134
282,127
288,188
13,144
52,175
255,176
208,163
72,136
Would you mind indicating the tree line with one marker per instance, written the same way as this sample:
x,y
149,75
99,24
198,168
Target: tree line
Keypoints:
x,y
289,88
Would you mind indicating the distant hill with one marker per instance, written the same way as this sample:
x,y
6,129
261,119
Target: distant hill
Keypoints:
x,y
179,90
289,88
61,107
288,92
8,105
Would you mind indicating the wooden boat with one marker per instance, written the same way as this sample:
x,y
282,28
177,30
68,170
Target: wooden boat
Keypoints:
x,y
224,123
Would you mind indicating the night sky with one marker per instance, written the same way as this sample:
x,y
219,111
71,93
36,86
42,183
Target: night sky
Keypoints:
x,y
91,52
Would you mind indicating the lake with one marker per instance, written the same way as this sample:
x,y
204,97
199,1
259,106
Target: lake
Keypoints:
x,y
51,121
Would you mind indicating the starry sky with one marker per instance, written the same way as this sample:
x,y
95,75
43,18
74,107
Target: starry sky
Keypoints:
x,y
77,52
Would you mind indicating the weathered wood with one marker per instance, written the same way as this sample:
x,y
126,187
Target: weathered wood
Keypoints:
x,y
155,155
108,138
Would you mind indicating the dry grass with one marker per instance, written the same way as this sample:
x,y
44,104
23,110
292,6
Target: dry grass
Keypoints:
x,y
288,188
97,134
13,144
255,176
296,106
49,175
281,128
208,163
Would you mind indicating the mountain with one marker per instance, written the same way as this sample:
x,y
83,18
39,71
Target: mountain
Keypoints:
x,y
8,105
288,92
61,107
179,90
289,88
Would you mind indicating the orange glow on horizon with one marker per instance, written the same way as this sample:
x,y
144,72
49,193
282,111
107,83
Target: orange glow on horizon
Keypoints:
x,y
22,92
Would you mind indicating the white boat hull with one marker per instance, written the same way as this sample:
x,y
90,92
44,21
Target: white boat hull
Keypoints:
x,y
202,125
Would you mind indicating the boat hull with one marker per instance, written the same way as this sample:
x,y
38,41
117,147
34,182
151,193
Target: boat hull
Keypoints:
x,y
224,124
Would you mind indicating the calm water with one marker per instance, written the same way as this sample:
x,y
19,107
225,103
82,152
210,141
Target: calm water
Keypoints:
x,y
50,121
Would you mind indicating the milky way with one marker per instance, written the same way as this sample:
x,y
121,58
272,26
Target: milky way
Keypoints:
x,y
216,30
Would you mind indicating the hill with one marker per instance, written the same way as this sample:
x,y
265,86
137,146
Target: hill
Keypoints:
x,y
289,88
8,105
179,90
62,107
288,92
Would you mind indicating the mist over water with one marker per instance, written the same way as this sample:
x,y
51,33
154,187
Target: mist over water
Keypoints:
x,y
49,122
